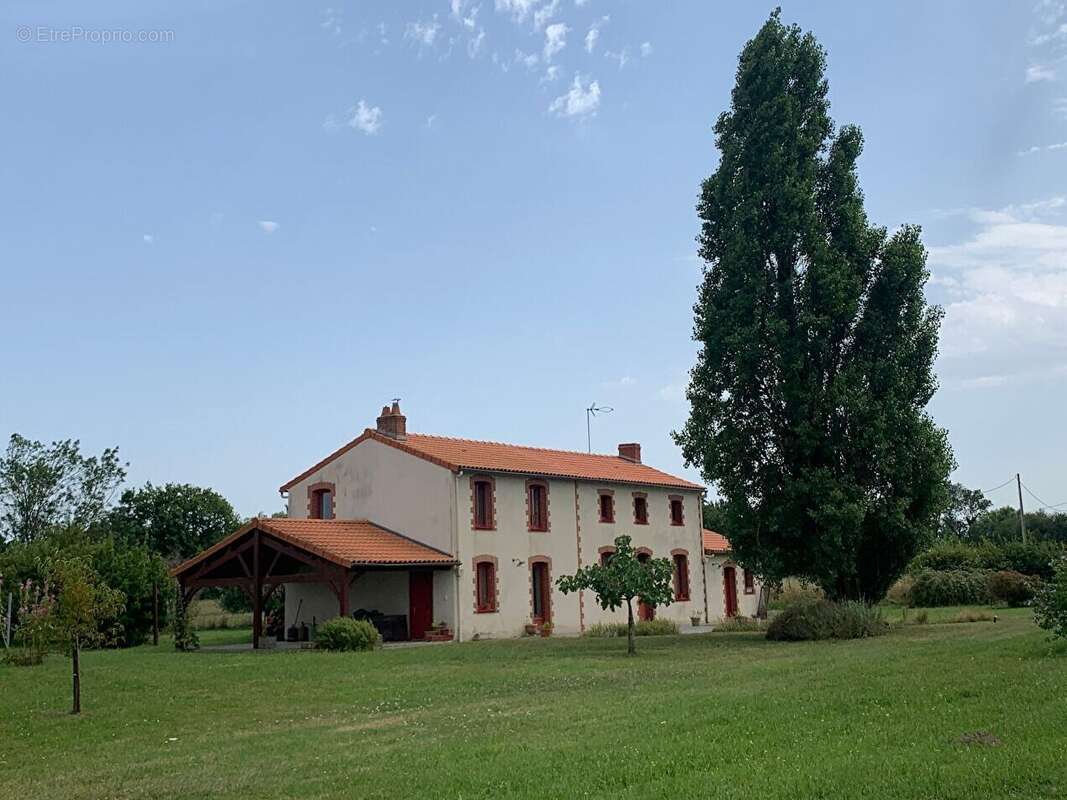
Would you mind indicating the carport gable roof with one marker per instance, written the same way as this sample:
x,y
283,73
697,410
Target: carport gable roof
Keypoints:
x,y
345,543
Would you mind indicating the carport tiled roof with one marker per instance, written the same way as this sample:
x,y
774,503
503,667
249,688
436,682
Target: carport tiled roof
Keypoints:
x,y
468,454
346,542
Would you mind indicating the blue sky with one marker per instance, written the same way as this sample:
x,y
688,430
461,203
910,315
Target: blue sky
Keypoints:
x,y
225,250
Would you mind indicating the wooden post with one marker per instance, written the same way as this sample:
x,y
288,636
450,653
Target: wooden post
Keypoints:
x,y
257,595
155,613
342,594
76,669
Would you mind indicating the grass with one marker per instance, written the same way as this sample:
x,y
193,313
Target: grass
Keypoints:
x,y
932,711
208,615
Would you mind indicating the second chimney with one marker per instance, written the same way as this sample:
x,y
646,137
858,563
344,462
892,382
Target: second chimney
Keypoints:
x,y
631,451
392,423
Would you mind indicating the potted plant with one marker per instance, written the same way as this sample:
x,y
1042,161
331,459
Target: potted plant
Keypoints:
x,y
531,629
546,629
695,619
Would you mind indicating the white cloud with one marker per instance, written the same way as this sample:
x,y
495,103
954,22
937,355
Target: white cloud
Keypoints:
x,y
622,57
519,9
267,226
365,118
646,49
331,21
1046,148
423,33
1059,107
1006,294
474,46
544,14
431,121
593,35
672,391
551,74
555,39
148,239
528,60
1040,72
581,100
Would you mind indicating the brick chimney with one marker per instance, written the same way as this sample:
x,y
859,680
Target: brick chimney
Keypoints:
x,y
392,423
631,451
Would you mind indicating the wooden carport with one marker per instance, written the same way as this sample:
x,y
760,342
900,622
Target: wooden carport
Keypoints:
x,y
267,553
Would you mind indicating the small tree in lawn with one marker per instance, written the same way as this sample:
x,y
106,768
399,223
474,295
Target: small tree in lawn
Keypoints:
x,y
83,613
622,579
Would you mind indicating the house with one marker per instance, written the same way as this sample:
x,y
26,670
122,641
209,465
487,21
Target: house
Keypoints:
x,y
441,536
732,590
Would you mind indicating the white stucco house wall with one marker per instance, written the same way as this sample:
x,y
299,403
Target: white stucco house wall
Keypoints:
x,y
512,518
731,589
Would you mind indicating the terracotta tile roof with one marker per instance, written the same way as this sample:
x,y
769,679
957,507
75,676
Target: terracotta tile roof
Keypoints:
x,y
456,454
715,542
346,542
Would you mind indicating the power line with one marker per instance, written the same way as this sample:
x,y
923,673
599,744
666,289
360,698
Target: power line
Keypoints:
x,y
989,491
1044,505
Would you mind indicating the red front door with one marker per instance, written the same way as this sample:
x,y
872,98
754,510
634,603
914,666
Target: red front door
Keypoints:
x,y
420,614
542,593
729,590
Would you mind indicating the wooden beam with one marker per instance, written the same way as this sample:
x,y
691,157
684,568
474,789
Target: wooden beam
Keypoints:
x,y
257,590
218,559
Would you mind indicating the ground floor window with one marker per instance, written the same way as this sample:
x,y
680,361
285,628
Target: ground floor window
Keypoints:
x,y
540,592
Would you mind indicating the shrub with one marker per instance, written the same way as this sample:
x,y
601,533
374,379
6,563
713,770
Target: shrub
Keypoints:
x,y
971,616
921,618
793,591
1034,558
612,630
1011,587
956,587
821,619
946,556
656,627
1050,602
345,634
899,593
740,625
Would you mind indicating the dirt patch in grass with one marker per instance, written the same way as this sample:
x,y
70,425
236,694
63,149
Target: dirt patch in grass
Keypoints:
x,y
982,738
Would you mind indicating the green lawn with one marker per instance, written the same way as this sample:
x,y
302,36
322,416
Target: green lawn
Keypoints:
x,y
718,715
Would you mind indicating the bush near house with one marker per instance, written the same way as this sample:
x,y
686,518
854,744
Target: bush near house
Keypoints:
x,y
822,619
1012,588
950,587
1050,602
345,634
1034,558
646,627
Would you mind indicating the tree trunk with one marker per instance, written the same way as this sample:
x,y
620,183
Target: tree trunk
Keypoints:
x,y
631,648
76,670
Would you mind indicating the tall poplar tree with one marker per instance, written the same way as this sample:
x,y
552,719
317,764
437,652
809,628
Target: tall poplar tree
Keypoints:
x,y
809,392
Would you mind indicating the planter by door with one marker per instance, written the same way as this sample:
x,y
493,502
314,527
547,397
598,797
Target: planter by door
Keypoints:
x,y
420,595
729,590
542,603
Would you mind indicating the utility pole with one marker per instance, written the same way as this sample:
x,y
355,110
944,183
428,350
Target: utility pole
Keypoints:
x,y
1022,514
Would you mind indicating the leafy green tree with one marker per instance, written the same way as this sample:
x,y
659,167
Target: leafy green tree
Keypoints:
x,y
46,486
965,507
809,392
621,580
715,518
79,610
1050,604
176,520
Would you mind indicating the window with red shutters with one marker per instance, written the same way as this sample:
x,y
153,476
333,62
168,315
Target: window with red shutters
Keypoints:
x,y
322,504
537,505
640,509
485,589
750,582
681,576
677,511
483,503
607,507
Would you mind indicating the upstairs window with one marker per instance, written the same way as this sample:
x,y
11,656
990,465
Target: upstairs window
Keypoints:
x,y
640,509
606,555
485,587
607,507
320,501
537,505
750,582
677,511
482,489
681,576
